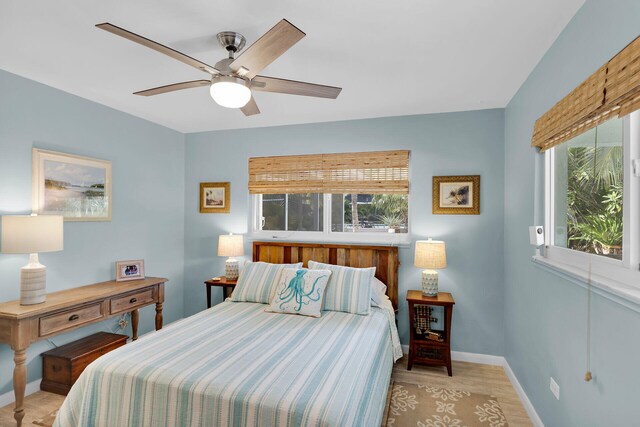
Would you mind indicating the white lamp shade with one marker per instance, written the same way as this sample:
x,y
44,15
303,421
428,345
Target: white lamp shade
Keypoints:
x,y
430,254
230,94
230,245
25,234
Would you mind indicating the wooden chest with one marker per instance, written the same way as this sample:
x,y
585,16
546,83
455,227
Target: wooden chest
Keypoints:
x,y
63,365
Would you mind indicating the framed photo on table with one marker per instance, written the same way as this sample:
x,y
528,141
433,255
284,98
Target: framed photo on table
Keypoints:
x,y
76,187
456,195
214,197
129,270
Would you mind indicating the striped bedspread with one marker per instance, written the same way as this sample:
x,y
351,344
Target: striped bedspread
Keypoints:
x,y
236,365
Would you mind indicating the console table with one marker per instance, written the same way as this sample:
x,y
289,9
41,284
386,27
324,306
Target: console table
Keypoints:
x,y
21,325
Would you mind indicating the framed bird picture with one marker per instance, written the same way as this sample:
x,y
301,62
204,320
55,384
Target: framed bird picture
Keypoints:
x,y
456,195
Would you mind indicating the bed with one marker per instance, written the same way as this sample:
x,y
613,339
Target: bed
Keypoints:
x,y
235,364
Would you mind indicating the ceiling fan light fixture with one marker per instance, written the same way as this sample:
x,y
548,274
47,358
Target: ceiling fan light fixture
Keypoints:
x,y
230,92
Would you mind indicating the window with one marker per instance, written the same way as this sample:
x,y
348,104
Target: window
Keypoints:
x,y
292,212
343,196
376,215
588,174
362,213
592,200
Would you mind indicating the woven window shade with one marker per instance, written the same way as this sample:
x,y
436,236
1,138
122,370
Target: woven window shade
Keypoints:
x,y
612,91
381,172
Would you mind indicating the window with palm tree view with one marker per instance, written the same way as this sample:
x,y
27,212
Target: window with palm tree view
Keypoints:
x,y
353,213
588,180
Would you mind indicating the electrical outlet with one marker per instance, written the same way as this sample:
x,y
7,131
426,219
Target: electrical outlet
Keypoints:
x,y
554,387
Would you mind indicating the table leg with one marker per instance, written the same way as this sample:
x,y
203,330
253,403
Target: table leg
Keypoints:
x,y
411,322
158,316
134,324
448,312
208,296
19,382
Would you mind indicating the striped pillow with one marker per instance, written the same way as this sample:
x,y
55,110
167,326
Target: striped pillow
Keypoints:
x,y
349,288
258,281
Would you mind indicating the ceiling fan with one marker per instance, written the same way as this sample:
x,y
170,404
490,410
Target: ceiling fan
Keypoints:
x,y
233,79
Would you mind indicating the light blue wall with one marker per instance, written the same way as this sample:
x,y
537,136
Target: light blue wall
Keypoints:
x,y
440,144
148,199
544,314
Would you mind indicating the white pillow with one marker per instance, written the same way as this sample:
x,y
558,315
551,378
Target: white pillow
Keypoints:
x,y
300,291
378,292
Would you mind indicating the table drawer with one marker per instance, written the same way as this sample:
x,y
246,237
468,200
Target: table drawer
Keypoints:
x,y
131,301
70,318
430,353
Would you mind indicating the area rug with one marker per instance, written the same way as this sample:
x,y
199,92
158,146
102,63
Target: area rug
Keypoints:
x,y
426,406
48,420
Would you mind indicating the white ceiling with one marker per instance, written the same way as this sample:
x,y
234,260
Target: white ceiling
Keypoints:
x,y
390,57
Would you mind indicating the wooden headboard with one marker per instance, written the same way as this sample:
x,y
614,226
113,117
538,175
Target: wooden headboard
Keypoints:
x,y
384,258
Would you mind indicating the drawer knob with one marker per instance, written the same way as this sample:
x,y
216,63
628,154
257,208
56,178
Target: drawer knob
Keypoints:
x,y
74,317
132,300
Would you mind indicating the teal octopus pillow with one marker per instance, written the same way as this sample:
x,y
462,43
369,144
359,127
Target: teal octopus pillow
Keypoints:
x,y
349,288
258,281
300,291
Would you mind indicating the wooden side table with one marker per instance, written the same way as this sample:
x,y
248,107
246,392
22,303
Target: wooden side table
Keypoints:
x,y
226,284
421,349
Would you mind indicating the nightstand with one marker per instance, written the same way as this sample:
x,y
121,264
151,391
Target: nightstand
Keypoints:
x,y
226,284
421,349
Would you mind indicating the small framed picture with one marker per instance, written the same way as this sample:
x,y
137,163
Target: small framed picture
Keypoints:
x,y
456,195
214,197
129,270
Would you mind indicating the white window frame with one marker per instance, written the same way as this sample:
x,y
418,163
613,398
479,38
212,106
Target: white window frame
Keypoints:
x,y
326,235
621,277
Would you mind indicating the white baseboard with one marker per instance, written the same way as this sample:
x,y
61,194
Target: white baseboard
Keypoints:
x,y
488,359
528,406
485,359
8,398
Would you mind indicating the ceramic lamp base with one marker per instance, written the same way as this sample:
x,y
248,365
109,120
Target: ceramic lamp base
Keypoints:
x,y
33,282
430,283
231,269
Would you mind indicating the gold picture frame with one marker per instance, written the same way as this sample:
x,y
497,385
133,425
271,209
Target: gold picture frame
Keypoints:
x,y
456,195
215,197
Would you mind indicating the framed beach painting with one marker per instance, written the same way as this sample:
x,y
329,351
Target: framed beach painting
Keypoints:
x,y
214,197
78,188
456,195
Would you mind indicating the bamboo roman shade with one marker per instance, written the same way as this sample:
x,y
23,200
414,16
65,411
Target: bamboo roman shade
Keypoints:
x,y
380,172
612,91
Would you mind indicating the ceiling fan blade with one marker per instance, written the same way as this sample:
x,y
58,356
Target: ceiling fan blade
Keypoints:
x,y
292,87
157,47
251,108
171,88
267,49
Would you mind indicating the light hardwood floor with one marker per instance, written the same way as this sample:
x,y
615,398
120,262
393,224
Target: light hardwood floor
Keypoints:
x,y
37,406
471,377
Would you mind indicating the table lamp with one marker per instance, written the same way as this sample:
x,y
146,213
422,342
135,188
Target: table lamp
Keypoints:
x,y
25,234
231,245
430,255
